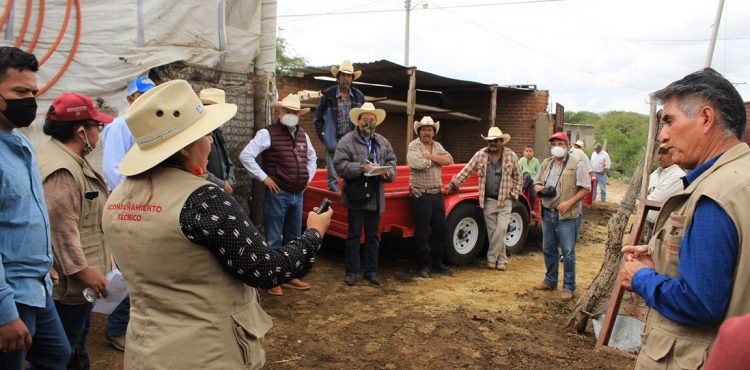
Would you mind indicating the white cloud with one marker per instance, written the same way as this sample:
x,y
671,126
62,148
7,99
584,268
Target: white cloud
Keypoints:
x,y
588,53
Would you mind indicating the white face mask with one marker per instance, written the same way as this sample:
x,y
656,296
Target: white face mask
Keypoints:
x,y
557,152
289,120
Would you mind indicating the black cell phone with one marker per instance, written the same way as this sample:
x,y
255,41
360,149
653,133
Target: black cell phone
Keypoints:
x,y
91,194
324,205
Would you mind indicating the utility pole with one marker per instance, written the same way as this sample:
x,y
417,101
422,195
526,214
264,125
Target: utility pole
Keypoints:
x,y
407,5
715,33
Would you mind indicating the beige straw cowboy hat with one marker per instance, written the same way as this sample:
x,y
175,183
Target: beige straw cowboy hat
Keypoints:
x,y
164,120
426,121
291,102
212,95
346,67
496,133
354,113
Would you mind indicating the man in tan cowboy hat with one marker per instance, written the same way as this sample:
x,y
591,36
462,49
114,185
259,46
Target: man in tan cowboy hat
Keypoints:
x,y
288,166
191,255
357,153
426,158
500,182
332,116
561,182
220,166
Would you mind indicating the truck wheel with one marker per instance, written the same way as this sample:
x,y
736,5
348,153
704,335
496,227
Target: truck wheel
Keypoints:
x,y
466,233
518,228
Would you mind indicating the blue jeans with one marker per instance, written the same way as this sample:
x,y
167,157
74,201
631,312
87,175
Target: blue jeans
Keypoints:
x,y
333,177
76,320
49,348
117,322
557,232
601,182
371,222
282,217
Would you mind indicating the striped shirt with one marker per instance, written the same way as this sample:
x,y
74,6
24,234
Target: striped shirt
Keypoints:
x,y
344,106
510,184
425,176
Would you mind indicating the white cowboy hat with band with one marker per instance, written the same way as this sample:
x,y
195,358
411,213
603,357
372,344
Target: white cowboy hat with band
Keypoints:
x,y
496,133
426,121
346,67
291,102
212,95
166,119
354,113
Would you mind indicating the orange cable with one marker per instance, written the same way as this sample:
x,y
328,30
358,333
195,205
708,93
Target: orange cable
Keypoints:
x,y
72,54
59,34
25,26
6,13
39,23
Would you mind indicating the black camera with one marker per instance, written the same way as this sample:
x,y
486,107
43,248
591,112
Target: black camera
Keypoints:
x,y
547,192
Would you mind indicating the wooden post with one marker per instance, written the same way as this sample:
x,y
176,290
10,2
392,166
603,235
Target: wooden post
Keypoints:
x,y
493,104
411,97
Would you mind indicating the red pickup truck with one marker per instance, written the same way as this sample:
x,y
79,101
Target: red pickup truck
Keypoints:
x,y
466,229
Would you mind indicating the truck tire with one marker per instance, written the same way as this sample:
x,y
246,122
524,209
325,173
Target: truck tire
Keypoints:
x,y
466,233
518,228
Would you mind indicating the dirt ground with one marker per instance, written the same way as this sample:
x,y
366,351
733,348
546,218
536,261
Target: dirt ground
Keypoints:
x,y
475,319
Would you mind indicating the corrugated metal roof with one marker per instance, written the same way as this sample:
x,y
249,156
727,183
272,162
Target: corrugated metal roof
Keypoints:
x,y
385,72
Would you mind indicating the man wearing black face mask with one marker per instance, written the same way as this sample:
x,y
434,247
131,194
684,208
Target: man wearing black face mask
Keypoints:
x,y
27,311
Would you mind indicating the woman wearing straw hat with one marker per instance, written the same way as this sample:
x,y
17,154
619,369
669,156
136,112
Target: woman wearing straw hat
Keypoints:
x,y
75,194
190,254
356,154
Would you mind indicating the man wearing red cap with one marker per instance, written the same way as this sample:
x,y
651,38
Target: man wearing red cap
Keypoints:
x,y
561,183
75,194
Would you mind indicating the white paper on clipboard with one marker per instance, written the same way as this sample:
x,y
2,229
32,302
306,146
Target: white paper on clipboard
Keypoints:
x,y
117,289
378,170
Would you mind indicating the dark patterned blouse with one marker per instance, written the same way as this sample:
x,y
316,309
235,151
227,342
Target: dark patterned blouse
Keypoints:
x,y
214,219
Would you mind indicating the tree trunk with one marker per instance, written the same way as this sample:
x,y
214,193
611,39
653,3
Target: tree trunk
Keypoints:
x,y
601,287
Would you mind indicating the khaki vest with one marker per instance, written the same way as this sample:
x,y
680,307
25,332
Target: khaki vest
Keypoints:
x,y
54,156
186,311
568,187
667,344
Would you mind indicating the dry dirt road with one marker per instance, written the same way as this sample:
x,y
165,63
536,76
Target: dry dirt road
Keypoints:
x,y
475,319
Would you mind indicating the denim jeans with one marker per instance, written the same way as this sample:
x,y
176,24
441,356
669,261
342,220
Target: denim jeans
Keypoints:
x,y
49,348
557,232
333,177
76,320
601,182
429,211
282,217
117,322
371,222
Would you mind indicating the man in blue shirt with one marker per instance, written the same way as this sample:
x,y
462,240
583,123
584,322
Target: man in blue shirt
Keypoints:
x,y
116,141
30,328
690,274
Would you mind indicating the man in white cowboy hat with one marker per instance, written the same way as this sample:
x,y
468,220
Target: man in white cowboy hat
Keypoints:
x,y
561,182
426,158
288,166
220,166
500,182
193,256
357,153
332,116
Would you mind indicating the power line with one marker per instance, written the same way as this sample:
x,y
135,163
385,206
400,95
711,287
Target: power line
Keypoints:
x,y
418,9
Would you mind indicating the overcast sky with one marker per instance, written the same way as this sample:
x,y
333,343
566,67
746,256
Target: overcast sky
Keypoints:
x,y
595,55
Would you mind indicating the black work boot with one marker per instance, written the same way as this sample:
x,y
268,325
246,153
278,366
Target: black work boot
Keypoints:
x,y
443,268
424,271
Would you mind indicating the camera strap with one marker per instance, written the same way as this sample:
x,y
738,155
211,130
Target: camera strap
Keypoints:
x,y
549,171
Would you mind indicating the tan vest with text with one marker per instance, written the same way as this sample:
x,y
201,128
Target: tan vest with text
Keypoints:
x,y
186,311
670,345
568,187
54,156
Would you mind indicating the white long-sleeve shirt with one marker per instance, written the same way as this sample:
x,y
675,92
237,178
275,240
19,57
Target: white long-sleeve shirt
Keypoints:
x,y
662,184
260,143
600,161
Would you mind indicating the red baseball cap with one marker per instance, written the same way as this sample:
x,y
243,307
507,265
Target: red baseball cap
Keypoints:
x,y
559,136
70,106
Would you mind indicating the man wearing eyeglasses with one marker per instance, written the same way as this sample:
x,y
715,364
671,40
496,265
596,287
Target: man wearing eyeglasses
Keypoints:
x,y
500,182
